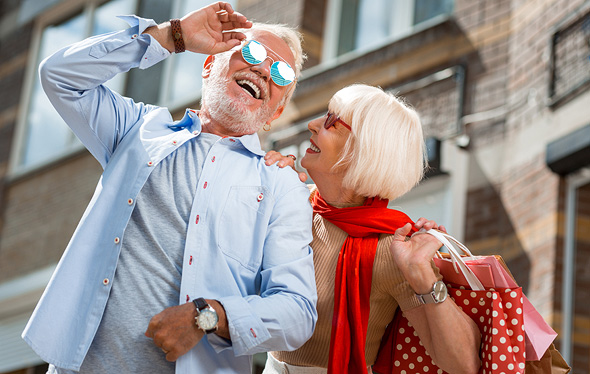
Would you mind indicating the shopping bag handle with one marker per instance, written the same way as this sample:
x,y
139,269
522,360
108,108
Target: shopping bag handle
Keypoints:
x,y
453,246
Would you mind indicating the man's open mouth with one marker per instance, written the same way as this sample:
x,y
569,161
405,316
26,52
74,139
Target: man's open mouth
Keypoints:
x,y
249,87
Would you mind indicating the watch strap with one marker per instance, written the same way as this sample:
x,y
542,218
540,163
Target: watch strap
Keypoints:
x,y
426,298
177,36
432,297
200,304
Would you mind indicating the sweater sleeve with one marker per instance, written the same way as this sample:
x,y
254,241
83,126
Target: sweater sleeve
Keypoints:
x,y
395,284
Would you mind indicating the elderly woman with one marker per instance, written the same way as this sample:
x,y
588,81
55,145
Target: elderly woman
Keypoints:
x,y
366,150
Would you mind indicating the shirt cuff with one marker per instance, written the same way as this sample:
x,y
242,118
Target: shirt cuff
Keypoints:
x,y
246,330
154,52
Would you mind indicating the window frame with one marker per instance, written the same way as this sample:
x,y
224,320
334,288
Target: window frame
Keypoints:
x,y
402,26
165,98
61,12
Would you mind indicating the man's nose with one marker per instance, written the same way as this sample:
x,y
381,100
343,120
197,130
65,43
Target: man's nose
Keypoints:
x,y
263,68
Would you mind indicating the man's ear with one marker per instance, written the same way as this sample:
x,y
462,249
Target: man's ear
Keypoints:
x,y
207,66
277,113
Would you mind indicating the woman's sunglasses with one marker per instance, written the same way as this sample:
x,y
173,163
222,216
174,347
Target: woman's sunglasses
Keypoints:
x,y
331,120
255,53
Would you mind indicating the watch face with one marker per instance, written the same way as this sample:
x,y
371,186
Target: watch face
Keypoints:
x,y
207,319
440,291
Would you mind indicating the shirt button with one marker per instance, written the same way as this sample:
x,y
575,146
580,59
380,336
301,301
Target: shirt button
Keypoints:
x,y
260,197
174,142
195,133
105,281
205,185
150,163
117,240
133,36
197,220
130,201
213,159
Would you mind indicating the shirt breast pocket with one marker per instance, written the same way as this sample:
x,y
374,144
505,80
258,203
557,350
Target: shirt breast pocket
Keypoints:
x,y
243,225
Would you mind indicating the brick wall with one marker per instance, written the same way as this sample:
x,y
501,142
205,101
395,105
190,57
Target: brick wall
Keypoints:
x,y
516,210
42,212
517,219
581,320
13,56
487,25
529,74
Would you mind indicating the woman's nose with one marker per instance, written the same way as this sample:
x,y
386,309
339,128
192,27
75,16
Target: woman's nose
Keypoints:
x,y
316,124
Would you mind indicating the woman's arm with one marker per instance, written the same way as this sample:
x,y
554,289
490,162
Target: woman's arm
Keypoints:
x,y
450,337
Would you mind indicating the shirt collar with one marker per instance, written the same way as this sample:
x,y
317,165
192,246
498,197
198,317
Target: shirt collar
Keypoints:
x,y
190,121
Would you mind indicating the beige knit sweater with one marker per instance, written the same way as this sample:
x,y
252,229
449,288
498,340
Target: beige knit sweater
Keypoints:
x,y
388,290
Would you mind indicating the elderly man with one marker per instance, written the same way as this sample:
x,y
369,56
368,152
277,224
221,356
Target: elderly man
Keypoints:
x,y
192,254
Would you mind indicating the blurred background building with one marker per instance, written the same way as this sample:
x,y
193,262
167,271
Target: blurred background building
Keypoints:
x,y
502,87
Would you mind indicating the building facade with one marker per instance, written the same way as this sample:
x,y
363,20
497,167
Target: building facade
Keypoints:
x,y
502,88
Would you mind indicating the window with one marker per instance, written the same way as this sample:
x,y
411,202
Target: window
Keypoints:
x,y
45,136
363,24
570,61
184,70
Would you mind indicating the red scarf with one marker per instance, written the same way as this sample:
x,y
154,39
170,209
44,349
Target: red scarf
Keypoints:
x,y
354,273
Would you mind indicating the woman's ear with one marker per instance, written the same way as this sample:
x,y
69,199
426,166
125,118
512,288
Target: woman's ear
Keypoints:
x,y
207,66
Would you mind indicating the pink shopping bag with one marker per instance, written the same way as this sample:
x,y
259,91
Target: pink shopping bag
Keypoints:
x,y
493,272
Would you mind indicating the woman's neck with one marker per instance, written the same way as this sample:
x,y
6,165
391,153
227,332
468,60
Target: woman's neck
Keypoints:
x,y
335,194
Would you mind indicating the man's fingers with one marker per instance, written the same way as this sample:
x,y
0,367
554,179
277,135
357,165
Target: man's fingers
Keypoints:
x,y
171,356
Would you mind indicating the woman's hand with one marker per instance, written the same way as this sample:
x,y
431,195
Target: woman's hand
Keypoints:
x,y
272,157
443,327
423,223
413,257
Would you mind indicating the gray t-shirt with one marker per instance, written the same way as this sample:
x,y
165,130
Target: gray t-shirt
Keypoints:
x,y
147,279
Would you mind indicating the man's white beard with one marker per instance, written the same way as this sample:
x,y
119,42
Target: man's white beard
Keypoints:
x,y
232,114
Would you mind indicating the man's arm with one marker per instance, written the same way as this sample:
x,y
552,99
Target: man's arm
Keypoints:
x,y
282,316
73,77
171,332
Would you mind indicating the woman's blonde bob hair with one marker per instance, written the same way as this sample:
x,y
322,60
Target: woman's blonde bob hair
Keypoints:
x,y
386,154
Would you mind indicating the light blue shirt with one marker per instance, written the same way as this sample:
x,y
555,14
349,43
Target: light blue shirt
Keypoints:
x,y
249,227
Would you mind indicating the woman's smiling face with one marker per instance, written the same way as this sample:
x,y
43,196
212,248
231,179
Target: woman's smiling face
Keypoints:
x,y
326,148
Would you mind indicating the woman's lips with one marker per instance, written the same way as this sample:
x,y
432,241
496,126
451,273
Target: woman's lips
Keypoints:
x,y
313,148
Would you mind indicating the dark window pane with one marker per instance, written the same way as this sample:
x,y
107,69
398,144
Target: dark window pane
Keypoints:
x,y
427,9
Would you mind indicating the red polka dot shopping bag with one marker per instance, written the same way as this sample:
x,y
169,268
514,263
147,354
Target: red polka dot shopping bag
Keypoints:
x,y
498,312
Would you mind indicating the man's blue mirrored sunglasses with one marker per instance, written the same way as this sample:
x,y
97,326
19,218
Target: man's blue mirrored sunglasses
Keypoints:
x,y
255,53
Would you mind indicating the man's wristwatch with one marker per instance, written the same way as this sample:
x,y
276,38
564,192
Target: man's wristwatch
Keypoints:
x,y
206,318
438,294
